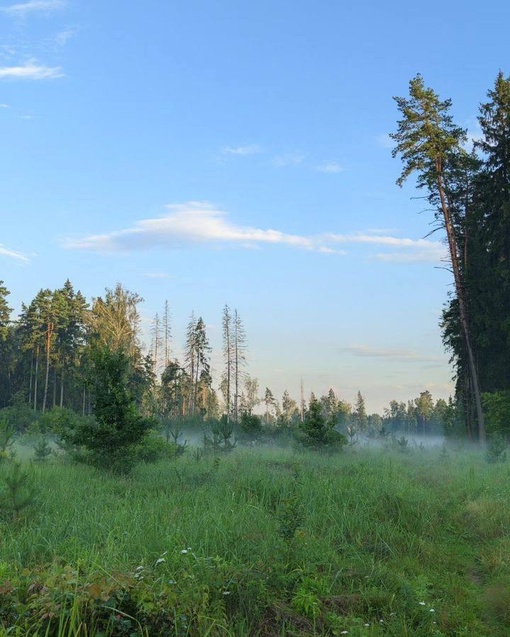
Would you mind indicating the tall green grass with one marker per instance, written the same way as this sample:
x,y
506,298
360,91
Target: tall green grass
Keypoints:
x,y
263,542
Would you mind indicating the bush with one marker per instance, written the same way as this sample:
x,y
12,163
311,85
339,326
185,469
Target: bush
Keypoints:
x,y
222,437
109,440
317,432
20,416
497,412
154,448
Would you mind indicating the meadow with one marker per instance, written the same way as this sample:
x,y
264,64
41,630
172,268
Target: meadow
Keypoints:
x,y
261,541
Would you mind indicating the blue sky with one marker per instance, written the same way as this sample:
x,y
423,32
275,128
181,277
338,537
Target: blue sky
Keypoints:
x,y
210,152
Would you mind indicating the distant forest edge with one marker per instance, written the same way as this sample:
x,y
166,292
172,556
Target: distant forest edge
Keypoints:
x,y
45,354
46,357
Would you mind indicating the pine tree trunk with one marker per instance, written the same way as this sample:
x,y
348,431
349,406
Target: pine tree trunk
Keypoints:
x,y
62,386
459,288
36,373
49,333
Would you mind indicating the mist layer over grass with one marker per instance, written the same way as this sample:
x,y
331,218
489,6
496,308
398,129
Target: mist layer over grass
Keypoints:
x,y
263,542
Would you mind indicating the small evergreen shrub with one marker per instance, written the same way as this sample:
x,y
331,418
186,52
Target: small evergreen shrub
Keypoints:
x,y
318,433
109,440
222,438
42,450
154,448
7,433
18,494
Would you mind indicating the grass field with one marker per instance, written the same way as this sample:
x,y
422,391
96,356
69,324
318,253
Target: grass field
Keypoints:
x,y
262,542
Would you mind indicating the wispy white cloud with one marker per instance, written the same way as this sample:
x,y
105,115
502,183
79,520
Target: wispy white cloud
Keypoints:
x,y
156,275
33,6
249,149
30,71
433,254
409,250
288,159
382,231
12,254
401,355
329,167
195,222
4,106
62,38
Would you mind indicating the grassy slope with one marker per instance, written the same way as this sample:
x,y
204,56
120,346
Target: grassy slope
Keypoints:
x,y
264,543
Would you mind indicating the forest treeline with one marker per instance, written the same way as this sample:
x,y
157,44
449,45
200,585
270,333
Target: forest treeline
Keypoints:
x,y
46,356
469,190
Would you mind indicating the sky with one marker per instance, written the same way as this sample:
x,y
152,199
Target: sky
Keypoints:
x,y
212,152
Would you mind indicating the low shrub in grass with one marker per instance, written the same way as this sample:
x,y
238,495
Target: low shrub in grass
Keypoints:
x,y
154,448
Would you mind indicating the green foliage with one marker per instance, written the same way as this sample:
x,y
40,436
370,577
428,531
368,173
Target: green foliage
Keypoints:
x,y
251,426
264,543
7,434
497,412
153,448
109,440
18,494
42,450
318,433
222,437
173,431
57,420
19,416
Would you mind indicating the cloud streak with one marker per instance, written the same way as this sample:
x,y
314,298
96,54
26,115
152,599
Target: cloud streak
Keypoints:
x,y
191,223
201,223
409,250
33,6
12,254
241,151
288,159
329,167
400,355
30,71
